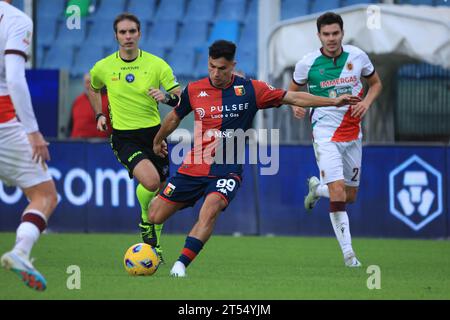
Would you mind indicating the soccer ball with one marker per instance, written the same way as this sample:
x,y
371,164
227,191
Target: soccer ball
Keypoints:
x,y
141,259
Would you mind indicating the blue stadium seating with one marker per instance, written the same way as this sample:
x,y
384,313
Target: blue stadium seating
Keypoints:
x,y
322,6
109,9
193,34
294,8
417,2
249,37
18,4
143,9
85,59
40,53
173,10
59,56
422,71
247,62
201,66
51,9
182,62
200,10
346,3
46,31
110,50
153,49
225,29
163,33
101,32
252,13
231,10
71,36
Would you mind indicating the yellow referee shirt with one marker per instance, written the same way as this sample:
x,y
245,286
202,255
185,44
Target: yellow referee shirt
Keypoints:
x,y
127,83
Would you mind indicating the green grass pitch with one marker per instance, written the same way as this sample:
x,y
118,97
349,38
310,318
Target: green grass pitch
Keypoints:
x,y
237,268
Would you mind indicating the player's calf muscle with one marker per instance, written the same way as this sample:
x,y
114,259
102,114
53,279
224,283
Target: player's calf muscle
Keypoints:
x,y
158,212
43,197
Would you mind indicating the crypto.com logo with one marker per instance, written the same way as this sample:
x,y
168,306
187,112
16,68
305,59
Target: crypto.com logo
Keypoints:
x,y
415,193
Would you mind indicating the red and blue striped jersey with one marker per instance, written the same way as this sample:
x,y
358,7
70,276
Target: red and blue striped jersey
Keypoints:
x,y
219,113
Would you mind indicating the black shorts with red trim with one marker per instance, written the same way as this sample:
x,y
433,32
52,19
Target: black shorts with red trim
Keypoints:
x,y
186,189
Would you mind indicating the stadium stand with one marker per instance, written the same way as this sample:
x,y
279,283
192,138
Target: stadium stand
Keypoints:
x,y
163,33
59,56
248,39
179,30
231,10
183,62
417,2
225,29
321,6
106,9
173,10
294,8
145,10
151,47
74,37
246,62
85,59
46,30
252,13
421,71
200,69
18,4
101,32
50,9
193,34
346,3
200,10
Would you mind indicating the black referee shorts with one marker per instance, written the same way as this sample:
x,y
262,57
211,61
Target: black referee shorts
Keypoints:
x,y
132,146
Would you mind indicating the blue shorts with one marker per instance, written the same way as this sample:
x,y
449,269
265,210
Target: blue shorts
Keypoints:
x,y
187,189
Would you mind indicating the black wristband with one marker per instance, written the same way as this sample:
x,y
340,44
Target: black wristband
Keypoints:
x,y
172,99
98,115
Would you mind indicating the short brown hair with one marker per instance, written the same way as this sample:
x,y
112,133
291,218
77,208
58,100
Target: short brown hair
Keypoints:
x,y
329,18
222,49
126,16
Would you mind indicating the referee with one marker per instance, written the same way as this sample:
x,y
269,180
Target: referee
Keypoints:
x,y
132,78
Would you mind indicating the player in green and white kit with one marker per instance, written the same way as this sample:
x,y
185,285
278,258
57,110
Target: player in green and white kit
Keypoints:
x,y
133,78
331,71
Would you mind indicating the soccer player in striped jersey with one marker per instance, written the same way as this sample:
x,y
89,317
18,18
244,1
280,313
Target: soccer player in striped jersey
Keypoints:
x,y
222,103
331,71
23,149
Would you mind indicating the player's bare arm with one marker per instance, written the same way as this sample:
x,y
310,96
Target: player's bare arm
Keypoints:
x,y
299,113
95,98
375,87
306,100
170,123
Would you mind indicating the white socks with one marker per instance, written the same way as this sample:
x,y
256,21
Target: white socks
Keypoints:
x,y
33,223
26,236
178,270
341,228
322,191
